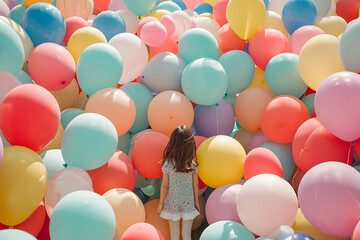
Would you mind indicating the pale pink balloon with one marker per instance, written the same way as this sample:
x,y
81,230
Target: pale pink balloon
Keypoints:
x,y
153,34
116,5
183,22
7,83
257,140
4,9
81,8
169,24
301,36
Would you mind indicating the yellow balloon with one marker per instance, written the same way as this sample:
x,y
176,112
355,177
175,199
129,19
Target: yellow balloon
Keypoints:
x,y
318,59
246,17
302,225
31,2
209,15
243,136
67,96
259,80
221,161
160,13
82,38
55,143
23,180
333,25
211,2
274,21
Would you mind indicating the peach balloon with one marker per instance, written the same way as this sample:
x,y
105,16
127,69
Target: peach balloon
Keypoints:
x,y
249,105
81,101
114,104
155,220
81,8
228,40
274,21
168,110
67,96
301,36
243,136
334,25
55,143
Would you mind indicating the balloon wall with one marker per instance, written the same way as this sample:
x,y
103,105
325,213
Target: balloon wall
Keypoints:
x,y
91,90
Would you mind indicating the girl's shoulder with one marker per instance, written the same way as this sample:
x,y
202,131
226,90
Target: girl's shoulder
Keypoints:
x,y
167,166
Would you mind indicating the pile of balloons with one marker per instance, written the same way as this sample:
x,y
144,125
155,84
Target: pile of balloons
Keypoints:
x,y
90,91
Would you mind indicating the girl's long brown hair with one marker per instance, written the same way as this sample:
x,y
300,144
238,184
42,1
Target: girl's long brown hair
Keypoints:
x,y
181,150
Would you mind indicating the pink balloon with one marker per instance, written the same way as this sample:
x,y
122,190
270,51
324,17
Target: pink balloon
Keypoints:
x,y
4,9
73,24
329,197
221,204
11,3
169,24
153,34
144,21
51,66
116,5
7,83
257,140
190,4
301,36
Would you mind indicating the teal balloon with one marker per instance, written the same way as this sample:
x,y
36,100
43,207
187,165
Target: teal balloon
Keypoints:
x,y
141,182
349,46
89,141
99,66
17,14
204,81
124,143
163,72
198,43
82,215
140,7
240,70
230,98
203,8
309,103
153,189
23,77
284,154
53,161
12,54
68,115
15,234
169,6
282,75
142,96
226,230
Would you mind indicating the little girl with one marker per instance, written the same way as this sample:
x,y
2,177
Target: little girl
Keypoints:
x,y
180,187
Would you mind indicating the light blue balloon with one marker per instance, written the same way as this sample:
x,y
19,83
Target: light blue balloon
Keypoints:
x,y
180,4
266,2
99,66
298,13
53,161
204,81
322,7
17,14
163,72
169,6
9,234
198,43
23,77
12,54
82,215
142,96
68,115
89,141
109,23
309,103
124,143
282,75
284,154
240,70
226,230
203,8
140,7
349,46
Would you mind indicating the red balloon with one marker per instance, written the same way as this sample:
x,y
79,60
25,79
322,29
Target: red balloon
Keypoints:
x,y
118,172
147,154
219,12
29,116
228,40
44,233
139,230
296,179
348,9
100,6
266,44
199,140
170,45
33,224
72,24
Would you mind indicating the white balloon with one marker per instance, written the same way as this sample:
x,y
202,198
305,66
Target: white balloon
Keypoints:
x,y
332,10
4,9
183,22
208,24
276,6
7,83
322,7
131,20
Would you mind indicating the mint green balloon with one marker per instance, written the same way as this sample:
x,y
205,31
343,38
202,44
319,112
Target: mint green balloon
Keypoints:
x,y
204,81
240,69
169,6
99,66
140,7
82,215
142,96
230,99
124,143
89,141
17,13
153,189
15,234
12,54
309,103
226,230
69,114
198,43
53,161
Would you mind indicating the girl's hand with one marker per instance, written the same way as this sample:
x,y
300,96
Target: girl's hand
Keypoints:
x,y
197,206
159,208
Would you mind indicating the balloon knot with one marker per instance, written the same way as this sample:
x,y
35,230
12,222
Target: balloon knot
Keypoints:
x,y
87,96
65,165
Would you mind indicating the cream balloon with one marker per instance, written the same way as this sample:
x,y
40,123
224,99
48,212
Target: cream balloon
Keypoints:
x,y
274,21
333,25
67,96
81,8
130,19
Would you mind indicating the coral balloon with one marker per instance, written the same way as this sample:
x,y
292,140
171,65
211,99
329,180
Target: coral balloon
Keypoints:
x,y
138,230
348,9
228,40
219,12
72,24
80,8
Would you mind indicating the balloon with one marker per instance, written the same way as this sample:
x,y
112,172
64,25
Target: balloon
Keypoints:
x,y
301,36
153,189
16,234
237,65
226,230
217,119
348,9
23,179
203,8
63,182
82,38
69,114
153,34
208,24
55,142
100,66
266,44
322,7
67,96
17,14
170,45
79,8
4,9
134,55
333,25
349,54
169,6
130,19
273,20
204,81
12,52
154,219
183,22
89,141
190,4
243,136
23,77
109,23
356,234
296,179
261,197
168,110
82,215
219,12
228,40
140,7
72,24
144,21
53,161
180,3
127,207
118,172
257,140
198,43
229,170
147,153
276,6
169,24
44,23
124,143
246,17
7,82
138,230
249,106
221,204
332,204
